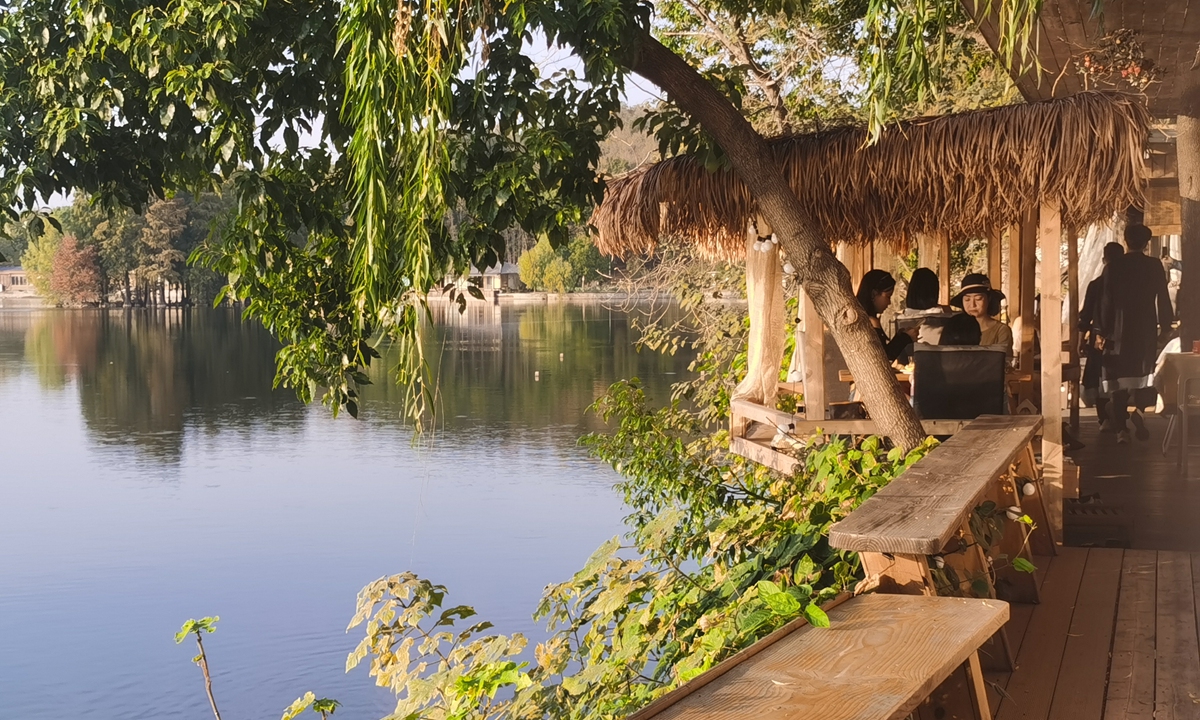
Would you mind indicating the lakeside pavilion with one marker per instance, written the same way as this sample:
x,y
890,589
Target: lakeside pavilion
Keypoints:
x,y
1106,627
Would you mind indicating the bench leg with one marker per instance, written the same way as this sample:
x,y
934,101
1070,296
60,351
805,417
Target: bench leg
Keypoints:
x,y
978,688
962,696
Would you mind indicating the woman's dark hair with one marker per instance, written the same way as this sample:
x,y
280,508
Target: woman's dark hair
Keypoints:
x,y
961,329
923,290
875,281
1112,251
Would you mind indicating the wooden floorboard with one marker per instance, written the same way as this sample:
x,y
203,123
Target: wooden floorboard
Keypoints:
x,y
1019,615
1177,667
1079,693
1131,678
1030,690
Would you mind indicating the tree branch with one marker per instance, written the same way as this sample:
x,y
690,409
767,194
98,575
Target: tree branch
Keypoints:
x,y
825,279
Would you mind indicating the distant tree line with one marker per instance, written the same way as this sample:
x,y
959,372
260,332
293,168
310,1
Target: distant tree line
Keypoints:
x,y
570,267
98,255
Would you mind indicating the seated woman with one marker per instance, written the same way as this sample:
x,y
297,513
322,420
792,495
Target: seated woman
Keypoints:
x,y
962,329
921,308
875,295
980,301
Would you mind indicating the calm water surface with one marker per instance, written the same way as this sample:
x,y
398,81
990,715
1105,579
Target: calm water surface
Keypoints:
x,y
149,474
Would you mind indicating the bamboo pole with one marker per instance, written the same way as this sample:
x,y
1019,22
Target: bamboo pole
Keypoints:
x,y
1050,241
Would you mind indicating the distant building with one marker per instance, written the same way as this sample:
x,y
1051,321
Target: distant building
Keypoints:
x,y
501,276
12,277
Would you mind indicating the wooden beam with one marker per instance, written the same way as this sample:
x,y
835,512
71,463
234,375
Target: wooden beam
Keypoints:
x,y
927,252
814,359
801,427
1050,240
1012,279
1028,269
1073,320
994,248
944,269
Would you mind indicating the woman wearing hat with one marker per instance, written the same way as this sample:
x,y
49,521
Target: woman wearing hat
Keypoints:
x,y
980,301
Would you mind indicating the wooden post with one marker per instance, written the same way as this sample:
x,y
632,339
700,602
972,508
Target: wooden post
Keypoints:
x,y
944,269
1050,240
1187,149
927,251
814,360
993,258
1073,321
1012,282
1028,269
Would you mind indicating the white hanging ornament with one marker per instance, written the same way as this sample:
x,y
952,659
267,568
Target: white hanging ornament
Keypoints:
x,y
1013,512
774,239
788,269
1028,489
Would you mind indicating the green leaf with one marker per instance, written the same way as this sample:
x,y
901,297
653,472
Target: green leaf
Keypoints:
x,y
816,616
1023,565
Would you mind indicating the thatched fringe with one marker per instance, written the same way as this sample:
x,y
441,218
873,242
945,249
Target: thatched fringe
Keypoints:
x,y
959,175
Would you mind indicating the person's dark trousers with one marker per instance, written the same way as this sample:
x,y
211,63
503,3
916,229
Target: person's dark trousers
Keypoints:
x,y
1118,409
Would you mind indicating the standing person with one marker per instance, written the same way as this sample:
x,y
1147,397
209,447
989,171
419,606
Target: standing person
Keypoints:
x,y
875,295
1134,309
980,301
1089,318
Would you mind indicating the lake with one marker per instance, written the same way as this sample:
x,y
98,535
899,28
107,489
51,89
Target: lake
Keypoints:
x,y
150,474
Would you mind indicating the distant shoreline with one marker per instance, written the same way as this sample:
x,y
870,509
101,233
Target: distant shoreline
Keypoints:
x,y
545,298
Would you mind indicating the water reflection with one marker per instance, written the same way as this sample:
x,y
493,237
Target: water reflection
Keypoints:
x,y
151,471
143,376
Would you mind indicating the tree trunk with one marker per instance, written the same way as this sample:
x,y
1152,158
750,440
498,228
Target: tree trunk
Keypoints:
x,y
825,279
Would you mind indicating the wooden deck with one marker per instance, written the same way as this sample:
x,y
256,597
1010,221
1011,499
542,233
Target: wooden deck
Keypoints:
x,y
1114,638
1159,509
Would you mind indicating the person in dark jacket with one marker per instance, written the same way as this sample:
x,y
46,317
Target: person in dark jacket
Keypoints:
x,y
875,295
1089,318
1134,309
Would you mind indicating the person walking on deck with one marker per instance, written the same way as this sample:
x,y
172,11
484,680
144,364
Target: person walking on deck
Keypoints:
x,y
1134,309
1089,320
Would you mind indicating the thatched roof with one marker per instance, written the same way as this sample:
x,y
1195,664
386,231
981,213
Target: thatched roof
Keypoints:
x,y
959,175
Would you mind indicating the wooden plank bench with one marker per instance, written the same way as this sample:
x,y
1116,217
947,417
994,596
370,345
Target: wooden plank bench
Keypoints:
x,y
918,534
880,659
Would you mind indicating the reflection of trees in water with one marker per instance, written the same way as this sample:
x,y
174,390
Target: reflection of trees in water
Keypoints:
x,y
143,375
146,376
488,356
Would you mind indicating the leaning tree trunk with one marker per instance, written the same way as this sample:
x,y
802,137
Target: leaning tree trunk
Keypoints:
x,y
825,280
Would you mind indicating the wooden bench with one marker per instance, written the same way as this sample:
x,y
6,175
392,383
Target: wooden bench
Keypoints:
x,y
918,535
880,659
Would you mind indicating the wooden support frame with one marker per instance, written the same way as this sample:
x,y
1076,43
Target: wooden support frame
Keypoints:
x,y
814,359
1050,242
994,254
1012,279
1028,270
1073,322
944,269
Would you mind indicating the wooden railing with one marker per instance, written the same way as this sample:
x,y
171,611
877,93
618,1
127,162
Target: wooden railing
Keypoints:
x,y
755,427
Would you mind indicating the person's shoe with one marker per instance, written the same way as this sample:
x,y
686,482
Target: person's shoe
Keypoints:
x,y
1123,437
1139,427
